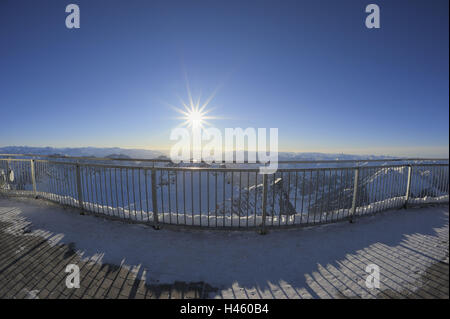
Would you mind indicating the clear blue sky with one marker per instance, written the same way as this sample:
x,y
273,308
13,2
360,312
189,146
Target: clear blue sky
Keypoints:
x,y
309,68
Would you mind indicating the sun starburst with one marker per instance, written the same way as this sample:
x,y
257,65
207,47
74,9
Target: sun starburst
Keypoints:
x,y
194,114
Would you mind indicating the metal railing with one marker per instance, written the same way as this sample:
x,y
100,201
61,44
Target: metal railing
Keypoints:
x,y
227,198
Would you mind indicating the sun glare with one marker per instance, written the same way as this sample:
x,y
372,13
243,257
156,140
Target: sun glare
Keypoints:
x,y
194,114
195,119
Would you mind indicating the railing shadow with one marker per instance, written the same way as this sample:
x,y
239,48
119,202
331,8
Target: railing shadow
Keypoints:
x,y
134,261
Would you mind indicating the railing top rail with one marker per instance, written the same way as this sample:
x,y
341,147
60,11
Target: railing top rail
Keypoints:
x,y
227,169
367,160
154,160
232,169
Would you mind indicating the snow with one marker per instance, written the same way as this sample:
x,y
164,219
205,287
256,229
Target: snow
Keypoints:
x,y
318,261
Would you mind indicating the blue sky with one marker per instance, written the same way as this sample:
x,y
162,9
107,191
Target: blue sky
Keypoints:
x,y
310,68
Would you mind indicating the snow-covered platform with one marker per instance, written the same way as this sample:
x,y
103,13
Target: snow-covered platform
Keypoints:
x,y
118,260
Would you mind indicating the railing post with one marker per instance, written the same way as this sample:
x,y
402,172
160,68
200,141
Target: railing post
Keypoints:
x,y
8,180
355,195
408,186
154,201
263,230
33,178
79,189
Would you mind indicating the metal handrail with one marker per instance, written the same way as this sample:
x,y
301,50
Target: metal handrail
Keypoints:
x,y
155,160
218,169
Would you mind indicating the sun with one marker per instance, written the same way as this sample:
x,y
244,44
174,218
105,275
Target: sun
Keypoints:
x,y
195,119
194,114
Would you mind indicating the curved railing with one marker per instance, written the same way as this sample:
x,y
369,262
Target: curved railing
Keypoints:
x,y
158,192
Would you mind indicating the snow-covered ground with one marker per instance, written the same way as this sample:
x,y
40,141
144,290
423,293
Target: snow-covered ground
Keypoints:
x,y
320,261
